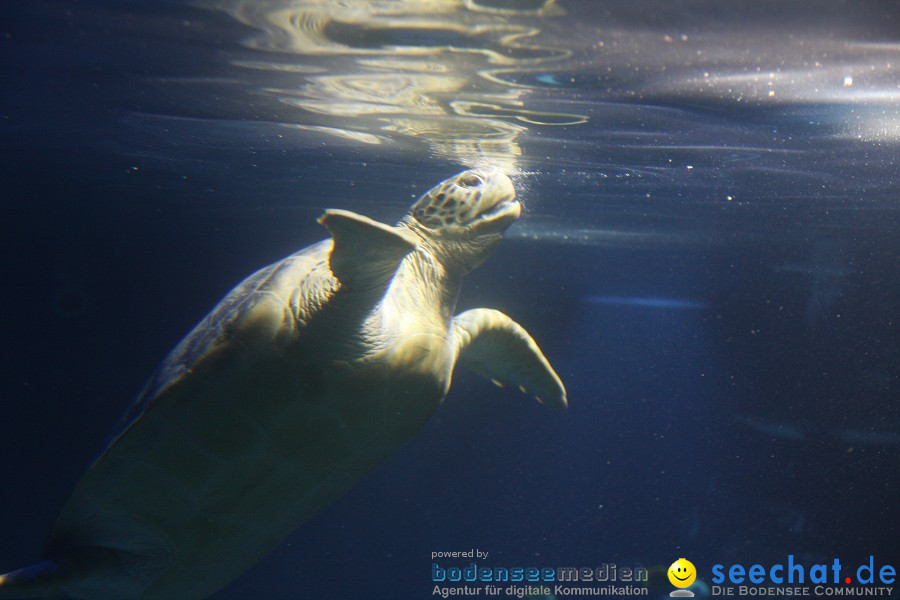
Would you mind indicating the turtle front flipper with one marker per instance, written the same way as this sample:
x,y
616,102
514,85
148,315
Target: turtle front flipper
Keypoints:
x,y
364,249
493,345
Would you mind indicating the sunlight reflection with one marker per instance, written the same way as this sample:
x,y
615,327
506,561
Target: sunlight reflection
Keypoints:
x,y
406,71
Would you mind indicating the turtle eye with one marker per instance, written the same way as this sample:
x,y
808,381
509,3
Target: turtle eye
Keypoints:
x,y
470,180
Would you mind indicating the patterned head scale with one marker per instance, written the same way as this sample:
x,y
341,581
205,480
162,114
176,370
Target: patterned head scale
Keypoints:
x,y
464,199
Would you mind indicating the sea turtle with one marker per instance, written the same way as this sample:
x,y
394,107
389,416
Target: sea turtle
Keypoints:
x,y
308,374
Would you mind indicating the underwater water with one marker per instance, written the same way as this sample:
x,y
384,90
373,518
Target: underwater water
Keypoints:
x,y
708,256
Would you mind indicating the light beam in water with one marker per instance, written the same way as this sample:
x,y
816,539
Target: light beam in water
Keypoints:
x,y
647,302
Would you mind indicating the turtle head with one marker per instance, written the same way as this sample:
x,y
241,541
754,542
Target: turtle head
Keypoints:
x,y
463,218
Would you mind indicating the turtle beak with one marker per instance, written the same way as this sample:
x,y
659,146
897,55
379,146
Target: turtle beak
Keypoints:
x,y
500,209
500,216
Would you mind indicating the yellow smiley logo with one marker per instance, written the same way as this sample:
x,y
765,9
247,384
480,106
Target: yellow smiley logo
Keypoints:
x,y
682,573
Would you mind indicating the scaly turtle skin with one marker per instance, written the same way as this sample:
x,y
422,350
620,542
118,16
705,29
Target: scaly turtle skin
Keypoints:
x,y
307,375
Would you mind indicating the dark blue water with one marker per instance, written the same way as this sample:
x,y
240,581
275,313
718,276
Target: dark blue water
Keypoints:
x,y
708,257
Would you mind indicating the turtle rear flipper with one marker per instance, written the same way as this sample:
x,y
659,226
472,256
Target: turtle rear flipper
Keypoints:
x,y
41,580
83,572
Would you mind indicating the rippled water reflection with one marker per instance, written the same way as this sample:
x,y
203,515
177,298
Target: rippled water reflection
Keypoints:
x,y
454,75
